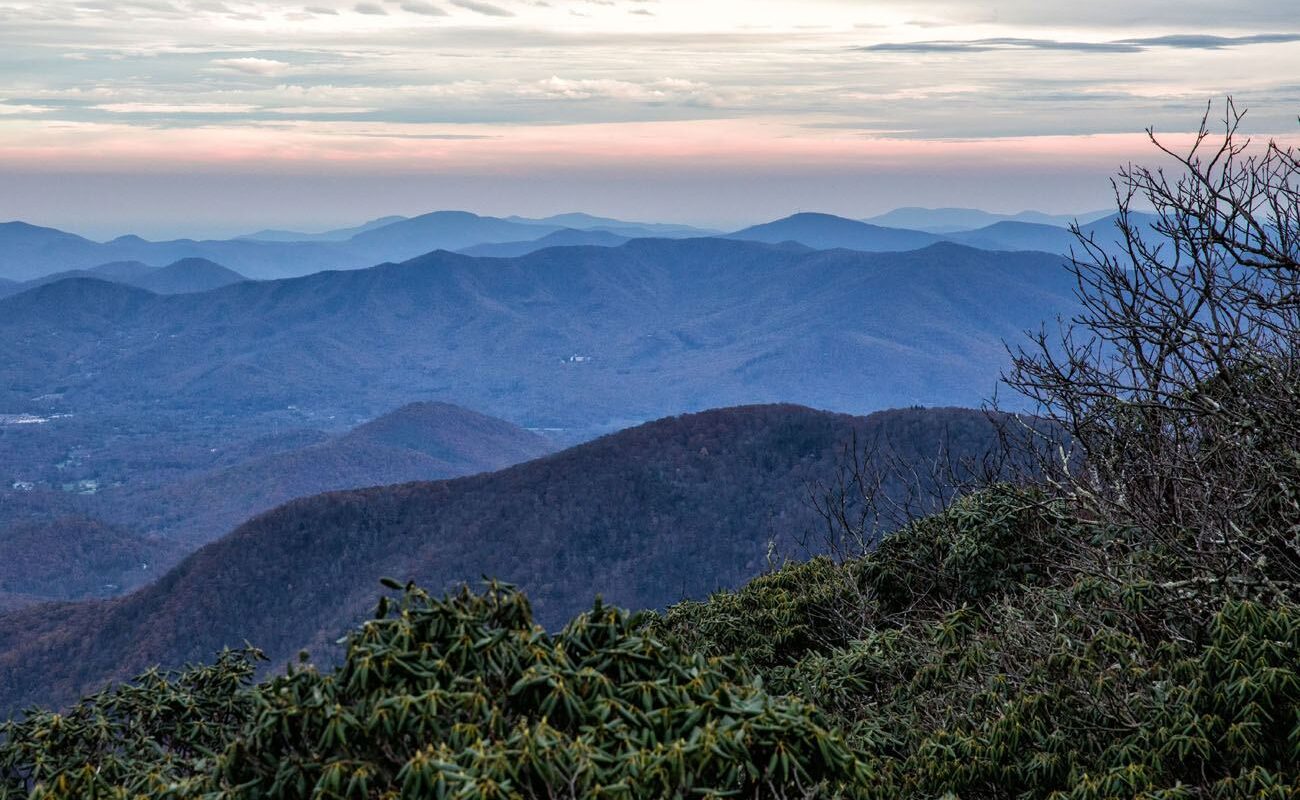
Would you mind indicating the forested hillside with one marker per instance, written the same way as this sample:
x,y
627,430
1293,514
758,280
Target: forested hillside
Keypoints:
x,y
646,517
71,558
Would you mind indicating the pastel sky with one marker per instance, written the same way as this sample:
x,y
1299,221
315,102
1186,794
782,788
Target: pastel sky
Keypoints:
x,y
208,117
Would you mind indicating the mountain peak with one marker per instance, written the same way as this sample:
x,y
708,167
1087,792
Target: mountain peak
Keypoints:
x,y
827,232
451,433
187,276
449,215
816,216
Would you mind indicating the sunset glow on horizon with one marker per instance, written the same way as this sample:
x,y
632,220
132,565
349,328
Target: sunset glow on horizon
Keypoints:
x,y
207,115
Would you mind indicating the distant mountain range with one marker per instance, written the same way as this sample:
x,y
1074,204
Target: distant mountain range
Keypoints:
x,y
28,252
338,235
631,230
825,232
645,517
587,339
182,277
953,220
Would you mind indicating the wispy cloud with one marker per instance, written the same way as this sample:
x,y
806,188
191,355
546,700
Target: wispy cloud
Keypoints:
x,y
513,86
251,65
423,8
175,108
14,109
486,9
1210,42
1134,45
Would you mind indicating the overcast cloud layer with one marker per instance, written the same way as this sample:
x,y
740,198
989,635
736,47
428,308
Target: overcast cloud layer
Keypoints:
x,y
205,116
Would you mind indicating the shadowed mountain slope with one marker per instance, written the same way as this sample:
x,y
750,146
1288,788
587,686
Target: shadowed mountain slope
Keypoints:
x,y
675,508
75,558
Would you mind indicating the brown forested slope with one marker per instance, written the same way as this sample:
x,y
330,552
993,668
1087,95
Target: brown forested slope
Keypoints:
x,y
672,509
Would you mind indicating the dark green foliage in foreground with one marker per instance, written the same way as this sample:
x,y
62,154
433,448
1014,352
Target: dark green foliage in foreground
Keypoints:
x,y
130,739
1000,649
960,661
987,545
464,697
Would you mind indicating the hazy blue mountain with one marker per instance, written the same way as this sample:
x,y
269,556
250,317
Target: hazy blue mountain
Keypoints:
x,y
645,517
28,252
823,231
826,232
16,287
1017,236
632,230
339,235
188,275
952,220
1051,239
88,303
124,271
441,230
586,339
569,237
182,277
1105,233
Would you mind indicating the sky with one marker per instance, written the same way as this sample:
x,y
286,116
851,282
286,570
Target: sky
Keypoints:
x,y
215,117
